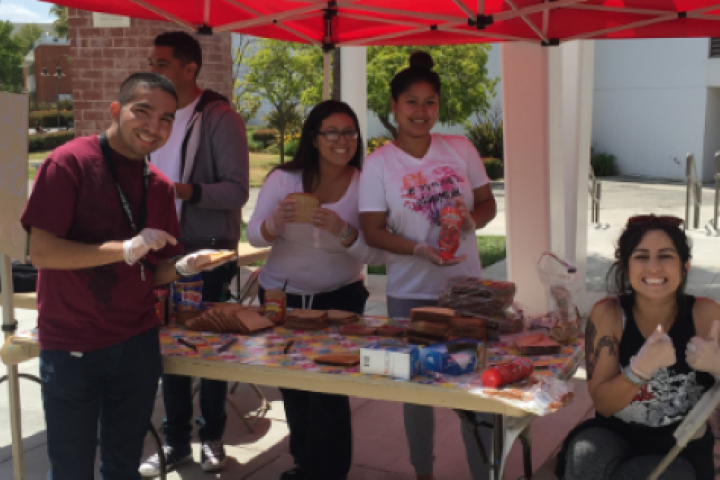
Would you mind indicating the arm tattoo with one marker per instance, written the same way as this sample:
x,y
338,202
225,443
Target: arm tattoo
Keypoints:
x,y
592,353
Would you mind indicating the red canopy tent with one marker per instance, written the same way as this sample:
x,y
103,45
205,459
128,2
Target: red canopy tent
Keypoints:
x,y
427,22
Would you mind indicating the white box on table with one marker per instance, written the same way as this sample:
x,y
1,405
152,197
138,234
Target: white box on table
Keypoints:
x,y
398,361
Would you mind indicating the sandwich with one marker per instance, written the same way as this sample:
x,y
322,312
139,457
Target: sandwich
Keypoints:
x,y
357,330
306,203
427,333
391,331
474,328
230,318
306,320
432,314
341,317
537,344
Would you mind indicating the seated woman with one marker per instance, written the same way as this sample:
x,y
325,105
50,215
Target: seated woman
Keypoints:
x,y
651,352
320,266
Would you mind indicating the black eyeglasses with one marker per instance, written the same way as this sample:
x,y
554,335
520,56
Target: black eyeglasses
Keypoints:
x,y
669,220
334,135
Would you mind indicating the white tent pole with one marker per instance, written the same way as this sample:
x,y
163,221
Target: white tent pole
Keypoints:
x,y
578,84
353,83
12,370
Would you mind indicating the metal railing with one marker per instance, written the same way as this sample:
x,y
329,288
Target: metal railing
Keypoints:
x,y
595,192
693,192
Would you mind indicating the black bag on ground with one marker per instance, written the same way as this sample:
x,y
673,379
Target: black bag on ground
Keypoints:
x,y
24,278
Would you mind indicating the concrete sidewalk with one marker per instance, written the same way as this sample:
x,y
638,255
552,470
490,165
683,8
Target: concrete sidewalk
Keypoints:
x,y
380,448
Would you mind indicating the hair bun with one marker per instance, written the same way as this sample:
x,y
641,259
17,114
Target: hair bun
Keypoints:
x,y
421,59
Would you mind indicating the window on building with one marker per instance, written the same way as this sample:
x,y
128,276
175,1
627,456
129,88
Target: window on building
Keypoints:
x,y
715,48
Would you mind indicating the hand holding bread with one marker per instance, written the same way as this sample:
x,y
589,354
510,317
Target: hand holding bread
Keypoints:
x,y
203,261
283,212
330,221
305,204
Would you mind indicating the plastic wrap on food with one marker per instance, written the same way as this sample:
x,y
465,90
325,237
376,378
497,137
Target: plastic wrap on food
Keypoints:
x,y
537,394
477,295
501,323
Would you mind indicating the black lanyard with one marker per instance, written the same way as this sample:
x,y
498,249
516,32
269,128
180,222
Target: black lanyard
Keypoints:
x,y
110,164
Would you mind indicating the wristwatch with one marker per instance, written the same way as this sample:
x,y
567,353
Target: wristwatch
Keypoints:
x,y
633,377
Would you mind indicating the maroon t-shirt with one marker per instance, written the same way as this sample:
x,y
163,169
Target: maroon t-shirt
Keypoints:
x,y
75,198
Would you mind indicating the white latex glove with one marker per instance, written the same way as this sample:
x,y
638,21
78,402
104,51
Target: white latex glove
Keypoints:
x,y
425,251
468,224
187,265
329,220
148,239
704,354
283,212
657,352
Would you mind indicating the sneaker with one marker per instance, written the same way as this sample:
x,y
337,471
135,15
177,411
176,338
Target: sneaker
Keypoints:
x,y
173,458
212,456
297,473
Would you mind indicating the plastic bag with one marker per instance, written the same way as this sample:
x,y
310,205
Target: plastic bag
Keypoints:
x,y
562,283
475,295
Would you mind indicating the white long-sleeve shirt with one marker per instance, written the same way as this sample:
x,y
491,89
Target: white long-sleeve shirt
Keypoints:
x,y
310,260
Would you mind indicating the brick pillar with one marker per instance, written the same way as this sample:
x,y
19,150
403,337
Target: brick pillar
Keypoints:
x,y
103,57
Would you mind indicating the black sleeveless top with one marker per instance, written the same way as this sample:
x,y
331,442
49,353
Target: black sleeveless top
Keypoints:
x,y
673,391
649,421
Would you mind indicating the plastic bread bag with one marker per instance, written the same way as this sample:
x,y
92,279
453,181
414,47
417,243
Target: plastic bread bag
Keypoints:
x,y
562,283
511,320
477,295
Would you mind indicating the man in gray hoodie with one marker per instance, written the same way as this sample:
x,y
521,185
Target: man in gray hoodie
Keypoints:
x,y
207,159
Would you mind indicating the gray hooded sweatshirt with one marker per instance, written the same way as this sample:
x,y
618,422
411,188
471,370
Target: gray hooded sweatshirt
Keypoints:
x,y
214,159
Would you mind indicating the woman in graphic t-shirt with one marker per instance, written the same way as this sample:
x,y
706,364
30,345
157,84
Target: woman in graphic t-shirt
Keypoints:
x,y
651,353
403,188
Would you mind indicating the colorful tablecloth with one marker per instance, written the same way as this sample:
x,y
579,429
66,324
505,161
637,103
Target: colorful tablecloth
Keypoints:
x,y
547,391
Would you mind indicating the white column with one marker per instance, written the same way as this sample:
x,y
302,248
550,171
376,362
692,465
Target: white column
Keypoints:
x,y
525,77
353,87
578,85
547,113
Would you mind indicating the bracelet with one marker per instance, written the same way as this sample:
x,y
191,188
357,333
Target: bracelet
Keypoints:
x,y
633,378
348,233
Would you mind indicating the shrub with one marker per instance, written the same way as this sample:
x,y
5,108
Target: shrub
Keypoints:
x,y
48,141
291,146
66,105
273,149
603,164
494,168
487,135
376,142
256,147
265,135
48,119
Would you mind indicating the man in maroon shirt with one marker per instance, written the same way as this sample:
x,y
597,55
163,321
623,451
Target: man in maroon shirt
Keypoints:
x,y
103,225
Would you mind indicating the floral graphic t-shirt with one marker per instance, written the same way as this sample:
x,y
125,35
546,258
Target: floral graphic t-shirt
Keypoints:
x,y
413,192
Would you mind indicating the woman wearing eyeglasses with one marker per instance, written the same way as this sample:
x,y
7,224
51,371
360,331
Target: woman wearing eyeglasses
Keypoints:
x,y
319,265
651,352
404,187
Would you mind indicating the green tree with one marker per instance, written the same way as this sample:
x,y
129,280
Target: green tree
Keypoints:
x,y
26,36
466,90
11,76
245,104
61,24
283,73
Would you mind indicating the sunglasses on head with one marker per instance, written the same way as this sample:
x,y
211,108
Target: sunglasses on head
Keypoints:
x,y
669,220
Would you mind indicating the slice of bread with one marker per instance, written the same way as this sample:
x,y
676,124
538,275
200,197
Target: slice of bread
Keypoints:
x,y
217,257
306,203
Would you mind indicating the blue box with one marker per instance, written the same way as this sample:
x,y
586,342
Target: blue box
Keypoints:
x,y
392,359
437,359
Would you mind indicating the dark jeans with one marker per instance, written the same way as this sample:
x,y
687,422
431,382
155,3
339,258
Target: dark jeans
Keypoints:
x,y
320,424
115,385
177,389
